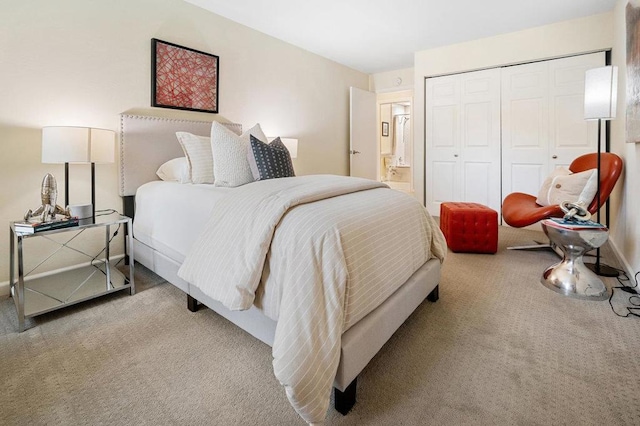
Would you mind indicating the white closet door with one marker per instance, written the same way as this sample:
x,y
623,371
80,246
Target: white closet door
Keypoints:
x,y
525,127
570,135
463,139
442,168
480,137
543,125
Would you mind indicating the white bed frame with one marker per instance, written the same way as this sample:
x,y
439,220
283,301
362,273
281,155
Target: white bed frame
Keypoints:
x,y
146,143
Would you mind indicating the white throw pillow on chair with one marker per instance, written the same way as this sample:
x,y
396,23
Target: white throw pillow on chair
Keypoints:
x,y
562,185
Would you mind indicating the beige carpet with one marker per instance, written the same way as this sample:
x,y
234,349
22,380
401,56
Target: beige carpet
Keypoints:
x,y
497,349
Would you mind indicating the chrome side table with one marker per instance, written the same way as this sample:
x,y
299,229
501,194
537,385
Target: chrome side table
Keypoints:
x,y
36,294
570,276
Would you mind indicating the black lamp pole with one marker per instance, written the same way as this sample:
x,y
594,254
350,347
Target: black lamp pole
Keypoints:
x,y
600,268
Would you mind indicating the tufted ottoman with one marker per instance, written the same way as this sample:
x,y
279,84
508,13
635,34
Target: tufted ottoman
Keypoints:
x,y
469,227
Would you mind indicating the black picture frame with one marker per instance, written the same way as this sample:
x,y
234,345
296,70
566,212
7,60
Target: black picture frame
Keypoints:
x,y
184,78
385,129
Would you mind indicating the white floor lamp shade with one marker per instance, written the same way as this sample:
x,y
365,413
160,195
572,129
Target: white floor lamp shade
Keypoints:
x,y
601,93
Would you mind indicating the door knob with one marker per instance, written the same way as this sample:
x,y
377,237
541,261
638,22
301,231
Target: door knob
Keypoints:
x,y
353,151
554,156
455,155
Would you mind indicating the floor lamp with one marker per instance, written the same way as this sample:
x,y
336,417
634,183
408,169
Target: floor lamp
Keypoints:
x,y
600,99
78,145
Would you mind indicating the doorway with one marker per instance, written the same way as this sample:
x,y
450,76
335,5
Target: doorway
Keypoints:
x,y
395,141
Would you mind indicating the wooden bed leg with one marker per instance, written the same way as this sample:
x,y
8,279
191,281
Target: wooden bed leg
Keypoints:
x,y
434,295
344,401
192,304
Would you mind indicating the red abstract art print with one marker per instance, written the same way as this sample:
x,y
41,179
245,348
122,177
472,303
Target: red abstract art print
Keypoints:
x,y
183,78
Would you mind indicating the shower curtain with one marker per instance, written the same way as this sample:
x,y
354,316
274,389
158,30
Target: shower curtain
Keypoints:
x,y
400,140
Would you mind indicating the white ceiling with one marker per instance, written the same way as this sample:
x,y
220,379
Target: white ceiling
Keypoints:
x,y
382,35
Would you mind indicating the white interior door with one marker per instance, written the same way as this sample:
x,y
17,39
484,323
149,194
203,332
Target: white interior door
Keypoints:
x,y
462,119
543,123
525,127
480,137
363,147
570,134
442,168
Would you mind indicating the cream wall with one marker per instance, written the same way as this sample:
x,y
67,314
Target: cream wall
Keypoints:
x,y
625,224
81,62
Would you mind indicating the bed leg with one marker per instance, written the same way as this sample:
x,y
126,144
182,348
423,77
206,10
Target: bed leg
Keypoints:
x,y
434,295
192,304
344,401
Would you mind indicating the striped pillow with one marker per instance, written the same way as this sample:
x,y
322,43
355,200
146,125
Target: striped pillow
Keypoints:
x,y
198,152
231,167
270,161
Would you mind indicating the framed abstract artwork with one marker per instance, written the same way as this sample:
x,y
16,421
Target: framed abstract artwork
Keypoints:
x,y
183,78
633,73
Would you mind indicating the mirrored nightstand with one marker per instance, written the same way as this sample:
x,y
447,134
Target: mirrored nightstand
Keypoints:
x,y
36,294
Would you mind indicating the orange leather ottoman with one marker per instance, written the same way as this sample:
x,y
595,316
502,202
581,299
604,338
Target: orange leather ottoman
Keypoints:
x,y
469,227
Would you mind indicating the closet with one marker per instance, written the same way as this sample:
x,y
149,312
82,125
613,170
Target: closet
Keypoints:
x,y
500,130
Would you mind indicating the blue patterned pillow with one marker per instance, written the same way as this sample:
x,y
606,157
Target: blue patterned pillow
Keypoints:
x,y
269,161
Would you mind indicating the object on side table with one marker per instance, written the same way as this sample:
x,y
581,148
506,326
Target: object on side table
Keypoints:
x,y
570,276
84,212
31,227
469,227
49,197
600,101
78,145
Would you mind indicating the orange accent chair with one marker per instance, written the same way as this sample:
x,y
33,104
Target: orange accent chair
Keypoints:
x,y
520,210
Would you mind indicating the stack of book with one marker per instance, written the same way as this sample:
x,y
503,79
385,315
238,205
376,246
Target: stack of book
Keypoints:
x,y
574,224
31,227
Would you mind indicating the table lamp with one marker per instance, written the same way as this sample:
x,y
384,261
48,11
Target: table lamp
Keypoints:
x,y
81,145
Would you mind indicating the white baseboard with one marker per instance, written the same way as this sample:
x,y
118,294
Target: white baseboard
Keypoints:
x,y
625,264
5,288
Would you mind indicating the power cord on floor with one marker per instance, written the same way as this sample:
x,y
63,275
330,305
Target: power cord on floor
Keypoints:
x,y
634,298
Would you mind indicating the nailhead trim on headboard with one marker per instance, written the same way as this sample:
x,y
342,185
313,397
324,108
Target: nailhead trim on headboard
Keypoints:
x,y
164,145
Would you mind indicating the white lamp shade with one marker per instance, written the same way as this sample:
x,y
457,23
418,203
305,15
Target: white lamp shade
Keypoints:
x,y
102,146
290,143
77,145
601,93
292,146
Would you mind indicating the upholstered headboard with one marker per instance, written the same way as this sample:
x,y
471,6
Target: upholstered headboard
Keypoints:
x,y
147,142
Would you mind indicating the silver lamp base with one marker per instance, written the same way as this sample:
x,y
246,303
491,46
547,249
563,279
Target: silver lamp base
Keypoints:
x,y
570,276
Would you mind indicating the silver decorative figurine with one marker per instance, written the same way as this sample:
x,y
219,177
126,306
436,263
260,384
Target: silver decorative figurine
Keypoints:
x,y
48,196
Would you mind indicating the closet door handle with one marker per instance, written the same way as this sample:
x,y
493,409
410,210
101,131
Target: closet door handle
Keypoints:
x,y
455,155
354,152
554,156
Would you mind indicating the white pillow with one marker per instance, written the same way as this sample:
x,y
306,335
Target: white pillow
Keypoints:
x,y
176,170
231,167
562,185
198,152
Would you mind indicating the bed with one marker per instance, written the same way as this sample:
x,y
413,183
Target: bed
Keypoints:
x,y
166,214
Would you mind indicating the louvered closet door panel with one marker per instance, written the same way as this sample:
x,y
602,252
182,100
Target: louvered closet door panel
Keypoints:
x,y
442,116
525,127
570,135
480,137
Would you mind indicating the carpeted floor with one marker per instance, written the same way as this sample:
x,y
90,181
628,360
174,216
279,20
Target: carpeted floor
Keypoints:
x,y
497,349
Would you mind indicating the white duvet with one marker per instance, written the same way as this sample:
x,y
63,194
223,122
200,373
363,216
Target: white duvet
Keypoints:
x,y
328,249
